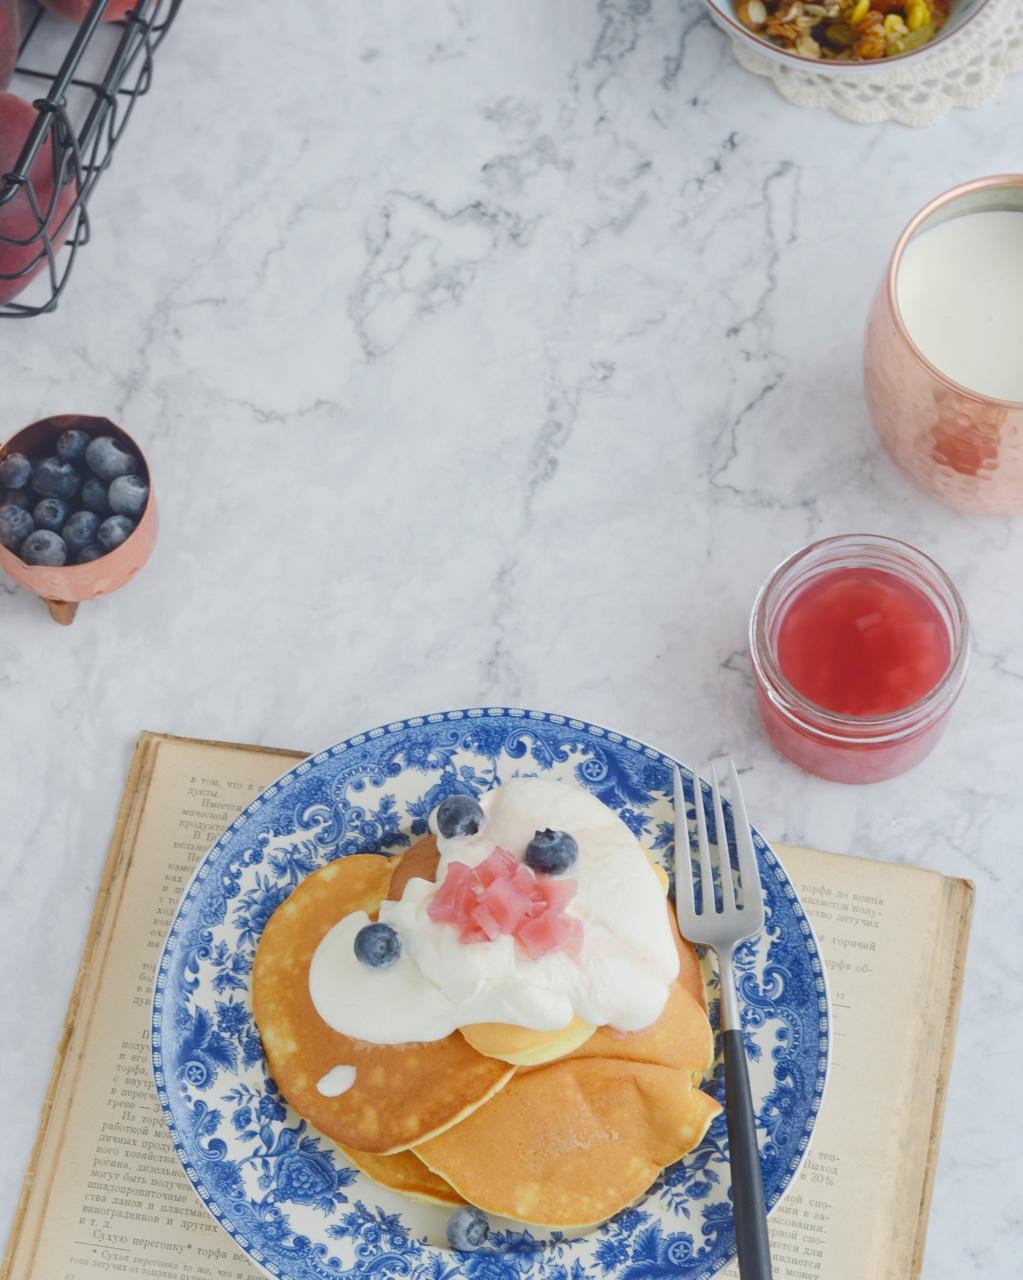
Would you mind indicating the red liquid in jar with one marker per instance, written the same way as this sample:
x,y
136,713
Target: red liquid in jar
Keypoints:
x,y
862,642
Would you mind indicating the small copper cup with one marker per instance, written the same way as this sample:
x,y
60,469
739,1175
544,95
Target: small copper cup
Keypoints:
x,y
64,588
964,448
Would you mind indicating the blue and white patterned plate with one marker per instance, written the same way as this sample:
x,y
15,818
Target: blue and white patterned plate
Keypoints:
x,y
286,1194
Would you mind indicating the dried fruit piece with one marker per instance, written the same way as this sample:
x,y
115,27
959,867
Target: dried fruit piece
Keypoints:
x,y
752,14
871,41
918,13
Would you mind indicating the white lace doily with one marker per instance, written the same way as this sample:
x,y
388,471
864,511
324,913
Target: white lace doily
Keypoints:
x,y
965,71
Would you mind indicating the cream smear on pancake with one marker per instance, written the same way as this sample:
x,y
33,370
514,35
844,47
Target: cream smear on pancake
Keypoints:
x,y
337,1081
620,976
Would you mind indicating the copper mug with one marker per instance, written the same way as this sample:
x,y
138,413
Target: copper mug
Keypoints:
x,y
63,588
962,447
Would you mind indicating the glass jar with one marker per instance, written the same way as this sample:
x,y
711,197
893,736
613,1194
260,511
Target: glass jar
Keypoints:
x,y
8,40
854,748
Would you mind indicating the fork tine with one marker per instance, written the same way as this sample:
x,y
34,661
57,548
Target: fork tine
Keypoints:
x,y
724,856
684,892
708,905
749,871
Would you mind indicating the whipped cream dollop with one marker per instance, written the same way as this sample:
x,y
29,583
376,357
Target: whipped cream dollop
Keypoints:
x,y
337,1081
620,976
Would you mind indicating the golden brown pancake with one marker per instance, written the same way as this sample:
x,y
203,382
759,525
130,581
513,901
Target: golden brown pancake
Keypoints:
x,y
578,1132
569,1144
690,972
417,863
403,1094
523,1046
406,1173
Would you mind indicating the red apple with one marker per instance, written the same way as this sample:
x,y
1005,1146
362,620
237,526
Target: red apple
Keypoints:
x,y
18,221
77,9
8,40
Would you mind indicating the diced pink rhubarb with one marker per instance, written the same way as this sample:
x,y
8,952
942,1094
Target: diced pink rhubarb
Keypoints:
x,y
507,903
499,865
483,918
541,936
450,900
557,893
502,897
525,880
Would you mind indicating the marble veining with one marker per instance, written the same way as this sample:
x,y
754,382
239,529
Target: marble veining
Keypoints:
x,y
496,353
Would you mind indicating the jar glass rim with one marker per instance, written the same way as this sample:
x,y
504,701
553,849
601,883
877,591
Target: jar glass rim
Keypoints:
x,y
850,550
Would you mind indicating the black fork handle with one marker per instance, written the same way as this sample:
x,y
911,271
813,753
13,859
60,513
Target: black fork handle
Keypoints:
x,y
744,1157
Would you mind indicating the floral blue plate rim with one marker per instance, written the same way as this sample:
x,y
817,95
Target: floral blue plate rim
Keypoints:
x,y
284,1200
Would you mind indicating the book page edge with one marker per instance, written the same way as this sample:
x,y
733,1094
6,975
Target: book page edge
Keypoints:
x,y
113,871
962,894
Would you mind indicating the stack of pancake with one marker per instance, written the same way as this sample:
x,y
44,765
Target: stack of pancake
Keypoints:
x,y
553,1128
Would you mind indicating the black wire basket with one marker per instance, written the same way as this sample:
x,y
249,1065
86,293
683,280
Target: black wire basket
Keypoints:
x,y
93,73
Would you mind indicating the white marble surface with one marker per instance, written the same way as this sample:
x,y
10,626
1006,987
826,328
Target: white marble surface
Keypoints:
x,y
495,353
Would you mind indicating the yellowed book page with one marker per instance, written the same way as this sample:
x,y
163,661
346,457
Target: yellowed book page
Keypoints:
x,y
50,1133
108,1196
892,940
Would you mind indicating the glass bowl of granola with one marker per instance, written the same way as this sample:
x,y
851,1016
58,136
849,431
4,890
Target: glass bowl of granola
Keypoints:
x,y
838,37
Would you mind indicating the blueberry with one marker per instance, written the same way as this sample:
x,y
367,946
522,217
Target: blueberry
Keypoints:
x,y
87,554
95,497
128,496
459,815
71,445
15,471
52,478
551,852
468,1228
50,513
81,529
23,498
113,531
377,945
44,547
108,459
15,525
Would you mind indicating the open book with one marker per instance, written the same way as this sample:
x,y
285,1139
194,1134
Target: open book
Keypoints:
x,y
104,1193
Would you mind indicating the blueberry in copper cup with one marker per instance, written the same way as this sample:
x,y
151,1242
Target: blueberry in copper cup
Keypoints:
x,y
62,535
51,513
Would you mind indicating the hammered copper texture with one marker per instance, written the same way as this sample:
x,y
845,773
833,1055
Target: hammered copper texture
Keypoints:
x,y
962,448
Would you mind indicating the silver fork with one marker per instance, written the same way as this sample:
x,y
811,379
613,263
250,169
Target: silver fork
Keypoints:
x,y
722,930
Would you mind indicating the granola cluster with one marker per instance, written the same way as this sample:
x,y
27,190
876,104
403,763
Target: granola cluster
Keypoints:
x,y
849,30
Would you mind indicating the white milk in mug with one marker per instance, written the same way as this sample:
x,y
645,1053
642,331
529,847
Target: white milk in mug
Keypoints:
x,y
960,291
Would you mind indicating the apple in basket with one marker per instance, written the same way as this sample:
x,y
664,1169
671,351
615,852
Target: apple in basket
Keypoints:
x,y
22,256
77,9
